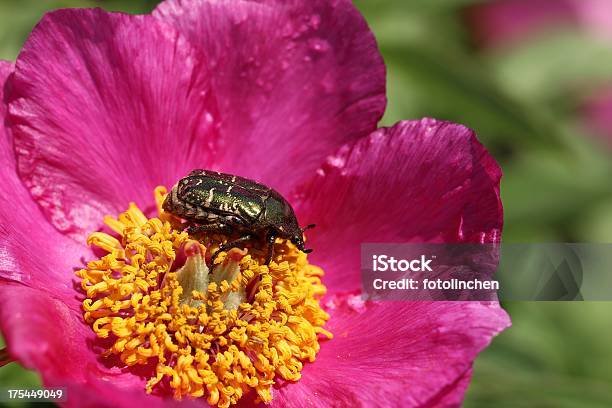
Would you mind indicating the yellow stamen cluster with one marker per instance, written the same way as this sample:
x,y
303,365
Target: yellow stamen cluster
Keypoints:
x,y
247,326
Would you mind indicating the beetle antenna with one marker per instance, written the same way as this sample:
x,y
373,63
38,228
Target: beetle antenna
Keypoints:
x,y
309,226
307,251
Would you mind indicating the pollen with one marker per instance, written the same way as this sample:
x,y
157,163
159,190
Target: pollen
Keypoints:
x,y
216,332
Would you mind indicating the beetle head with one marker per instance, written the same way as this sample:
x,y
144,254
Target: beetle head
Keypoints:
x,y
298,239
168,204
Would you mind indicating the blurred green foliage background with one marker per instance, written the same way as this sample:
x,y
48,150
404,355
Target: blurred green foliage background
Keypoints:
x,y
524,103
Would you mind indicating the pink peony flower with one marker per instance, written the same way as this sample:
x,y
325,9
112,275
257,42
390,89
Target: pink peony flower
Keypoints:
x,y
512,22
597,114
100,108
502,22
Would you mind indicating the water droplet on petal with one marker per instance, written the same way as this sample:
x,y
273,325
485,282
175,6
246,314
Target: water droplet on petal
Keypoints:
x,y
240,18
356,303
318,45
331,304
336,161
327,83
208,118
315,21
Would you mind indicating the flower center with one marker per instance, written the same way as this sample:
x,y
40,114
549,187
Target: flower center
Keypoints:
x,y
215,334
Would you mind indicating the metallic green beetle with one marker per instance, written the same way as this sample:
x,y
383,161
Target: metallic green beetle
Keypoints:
x,y
224,203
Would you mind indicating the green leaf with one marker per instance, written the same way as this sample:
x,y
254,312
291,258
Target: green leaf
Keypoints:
x,y
18,17
425,82
556,67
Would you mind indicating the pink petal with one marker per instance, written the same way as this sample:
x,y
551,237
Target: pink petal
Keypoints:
x,y
597,113
596,17
294,80
419,181
103,108
501,22
6,68
395,354
32,252
43,334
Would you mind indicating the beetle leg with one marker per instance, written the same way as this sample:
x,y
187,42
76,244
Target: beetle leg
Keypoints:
x,y
271,239
229,245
